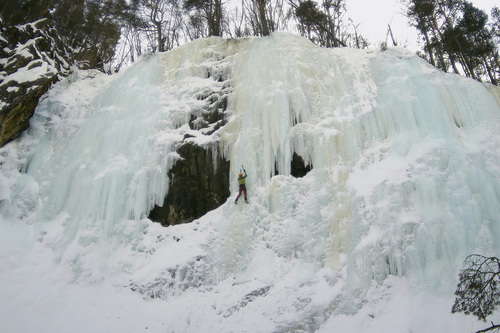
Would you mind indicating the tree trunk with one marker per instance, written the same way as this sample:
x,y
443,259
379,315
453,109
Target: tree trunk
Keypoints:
x,y
261,6
159,36
490,72
431,55
441,37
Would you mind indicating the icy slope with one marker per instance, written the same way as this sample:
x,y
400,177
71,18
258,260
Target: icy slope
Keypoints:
x,y
405,184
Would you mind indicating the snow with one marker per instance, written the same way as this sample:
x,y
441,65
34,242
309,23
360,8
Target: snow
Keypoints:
x,y
405,184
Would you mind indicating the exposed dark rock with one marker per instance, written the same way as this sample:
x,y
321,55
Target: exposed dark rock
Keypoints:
x,y
298,166
15,118
34,60
197,186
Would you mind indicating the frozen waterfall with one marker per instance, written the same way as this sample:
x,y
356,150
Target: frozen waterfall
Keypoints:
x,y
405,184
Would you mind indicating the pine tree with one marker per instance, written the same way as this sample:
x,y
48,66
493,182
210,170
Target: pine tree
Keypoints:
x,y
311,19
478,290
420,13
91,28
15,12
493,63
455,33
322,25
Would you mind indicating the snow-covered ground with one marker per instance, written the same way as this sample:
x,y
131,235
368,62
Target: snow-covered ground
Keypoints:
x,y
405,184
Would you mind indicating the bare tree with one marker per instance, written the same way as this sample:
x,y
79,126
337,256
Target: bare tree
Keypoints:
x,y
209,12
237,22
157,12
166,17
261,9
265,16
358,41
255,12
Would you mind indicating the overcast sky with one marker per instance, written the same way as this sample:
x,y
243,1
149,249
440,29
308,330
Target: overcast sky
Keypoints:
x,y
374,16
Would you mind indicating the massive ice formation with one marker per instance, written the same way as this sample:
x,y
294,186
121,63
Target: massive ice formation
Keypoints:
x,y
405,184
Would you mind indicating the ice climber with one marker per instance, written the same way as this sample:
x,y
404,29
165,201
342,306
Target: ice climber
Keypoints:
x,y
243,188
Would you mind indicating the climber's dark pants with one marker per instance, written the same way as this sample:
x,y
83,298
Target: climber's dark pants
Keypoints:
x,y
244,189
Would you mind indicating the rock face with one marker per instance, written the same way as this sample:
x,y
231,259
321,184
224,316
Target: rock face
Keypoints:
x,y
33,59
298,166
14,119
199,181
197,186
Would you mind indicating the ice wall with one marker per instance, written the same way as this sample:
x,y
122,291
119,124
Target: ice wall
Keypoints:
x,y
405,178
405,181
101,147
